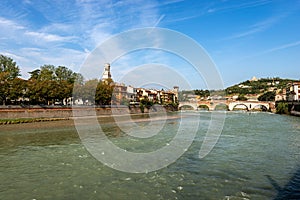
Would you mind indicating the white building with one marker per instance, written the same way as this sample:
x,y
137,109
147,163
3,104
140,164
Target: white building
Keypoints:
x,y
293,91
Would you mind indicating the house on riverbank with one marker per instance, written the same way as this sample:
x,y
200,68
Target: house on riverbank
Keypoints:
x,y
293,91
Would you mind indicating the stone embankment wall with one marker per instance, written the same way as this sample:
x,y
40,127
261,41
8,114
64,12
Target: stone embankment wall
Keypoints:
x,y
12,112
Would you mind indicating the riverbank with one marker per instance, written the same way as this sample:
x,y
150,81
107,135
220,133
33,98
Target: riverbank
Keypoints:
x,y
18,114
288,107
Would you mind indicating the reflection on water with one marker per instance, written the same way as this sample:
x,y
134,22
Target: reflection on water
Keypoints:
x,y
291,190
256,157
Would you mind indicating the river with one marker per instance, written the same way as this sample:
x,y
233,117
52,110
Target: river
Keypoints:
x,y
256,157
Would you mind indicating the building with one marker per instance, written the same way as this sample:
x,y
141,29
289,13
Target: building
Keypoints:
x,y
131,93
119,94
252,97
124,95
244,86
150,94
127,95
253,79
280,95
293,91
158,96
167,97
106,74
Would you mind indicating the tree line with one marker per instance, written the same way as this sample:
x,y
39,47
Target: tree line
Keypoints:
x,y
49,85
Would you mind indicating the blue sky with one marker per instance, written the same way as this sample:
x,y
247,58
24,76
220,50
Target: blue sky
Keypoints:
x,y
244,38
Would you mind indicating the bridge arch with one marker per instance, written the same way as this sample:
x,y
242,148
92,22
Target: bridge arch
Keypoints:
x,y
260,107
221,106
240,104
203,107
187,107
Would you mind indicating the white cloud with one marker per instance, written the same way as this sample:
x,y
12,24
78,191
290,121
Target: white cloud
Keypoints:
x,y
10,24
257,27
282,47
238,5
58,56
64,33
45,37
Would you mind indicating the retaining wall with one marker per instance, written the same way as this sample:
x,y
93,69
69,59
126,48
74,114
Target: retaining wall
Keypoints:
x,y
59,112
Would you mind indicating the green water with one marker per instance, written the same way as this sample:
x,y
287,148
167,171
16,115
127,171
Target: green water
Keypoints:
x,y
256,157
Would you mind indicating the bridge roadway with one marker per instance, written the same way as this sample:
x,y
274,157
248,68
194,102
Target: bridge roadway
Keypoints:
x,y
248,105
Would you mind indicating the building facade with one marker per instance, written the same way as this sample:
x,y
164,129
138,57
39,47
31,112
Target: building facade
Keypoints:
x,y
293,91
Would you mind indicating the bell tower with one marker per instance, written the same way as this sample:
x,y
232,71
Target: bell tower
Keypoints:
x,y
106,74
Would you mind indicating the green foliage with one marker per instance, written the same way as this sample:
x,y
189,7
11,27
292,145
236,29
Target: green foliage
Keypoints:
x,y
50,84
202,93
86,91
242,97
142,108
125,101
282,108
146,102
257,87
104,92
47,72
17,89
9,72
8,66
268,96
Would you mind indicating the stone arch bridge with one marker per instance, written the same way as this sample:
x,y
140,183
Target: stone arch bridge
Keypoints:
x,y
247,105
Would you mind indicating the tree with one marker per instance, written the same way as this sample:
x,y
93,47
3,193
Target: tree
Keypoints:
x,y
33,92
17,89
104,92
87,91
8,72
50,84
10,67
42,85
146,102
202,93
47,72
268,96
241,97
282,108
4,87
64,74
35,74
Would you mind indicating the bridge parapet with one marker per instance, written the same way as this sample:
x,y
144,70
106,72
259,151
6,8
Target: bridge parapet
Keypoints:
x,y
249,105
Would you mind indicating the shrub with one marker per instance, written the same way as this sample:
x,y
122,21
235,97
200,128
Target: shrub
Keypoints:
x,y
282,108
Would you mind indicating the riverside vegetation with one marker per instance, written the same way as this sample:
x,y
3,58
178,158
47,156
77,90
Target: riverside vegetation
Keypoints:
x,y
48,85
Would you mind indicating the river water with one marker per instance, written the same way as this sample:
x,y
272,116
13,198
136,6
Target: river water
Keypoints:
x,y
256,157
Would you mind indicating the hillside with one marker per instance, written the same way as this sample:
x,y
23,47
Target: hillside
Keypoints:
x,y
263,89
258,86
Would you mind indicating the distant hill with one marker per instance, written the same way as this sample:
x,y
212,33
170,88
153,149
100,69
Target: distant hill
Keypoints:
x,y
258,86
254,89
